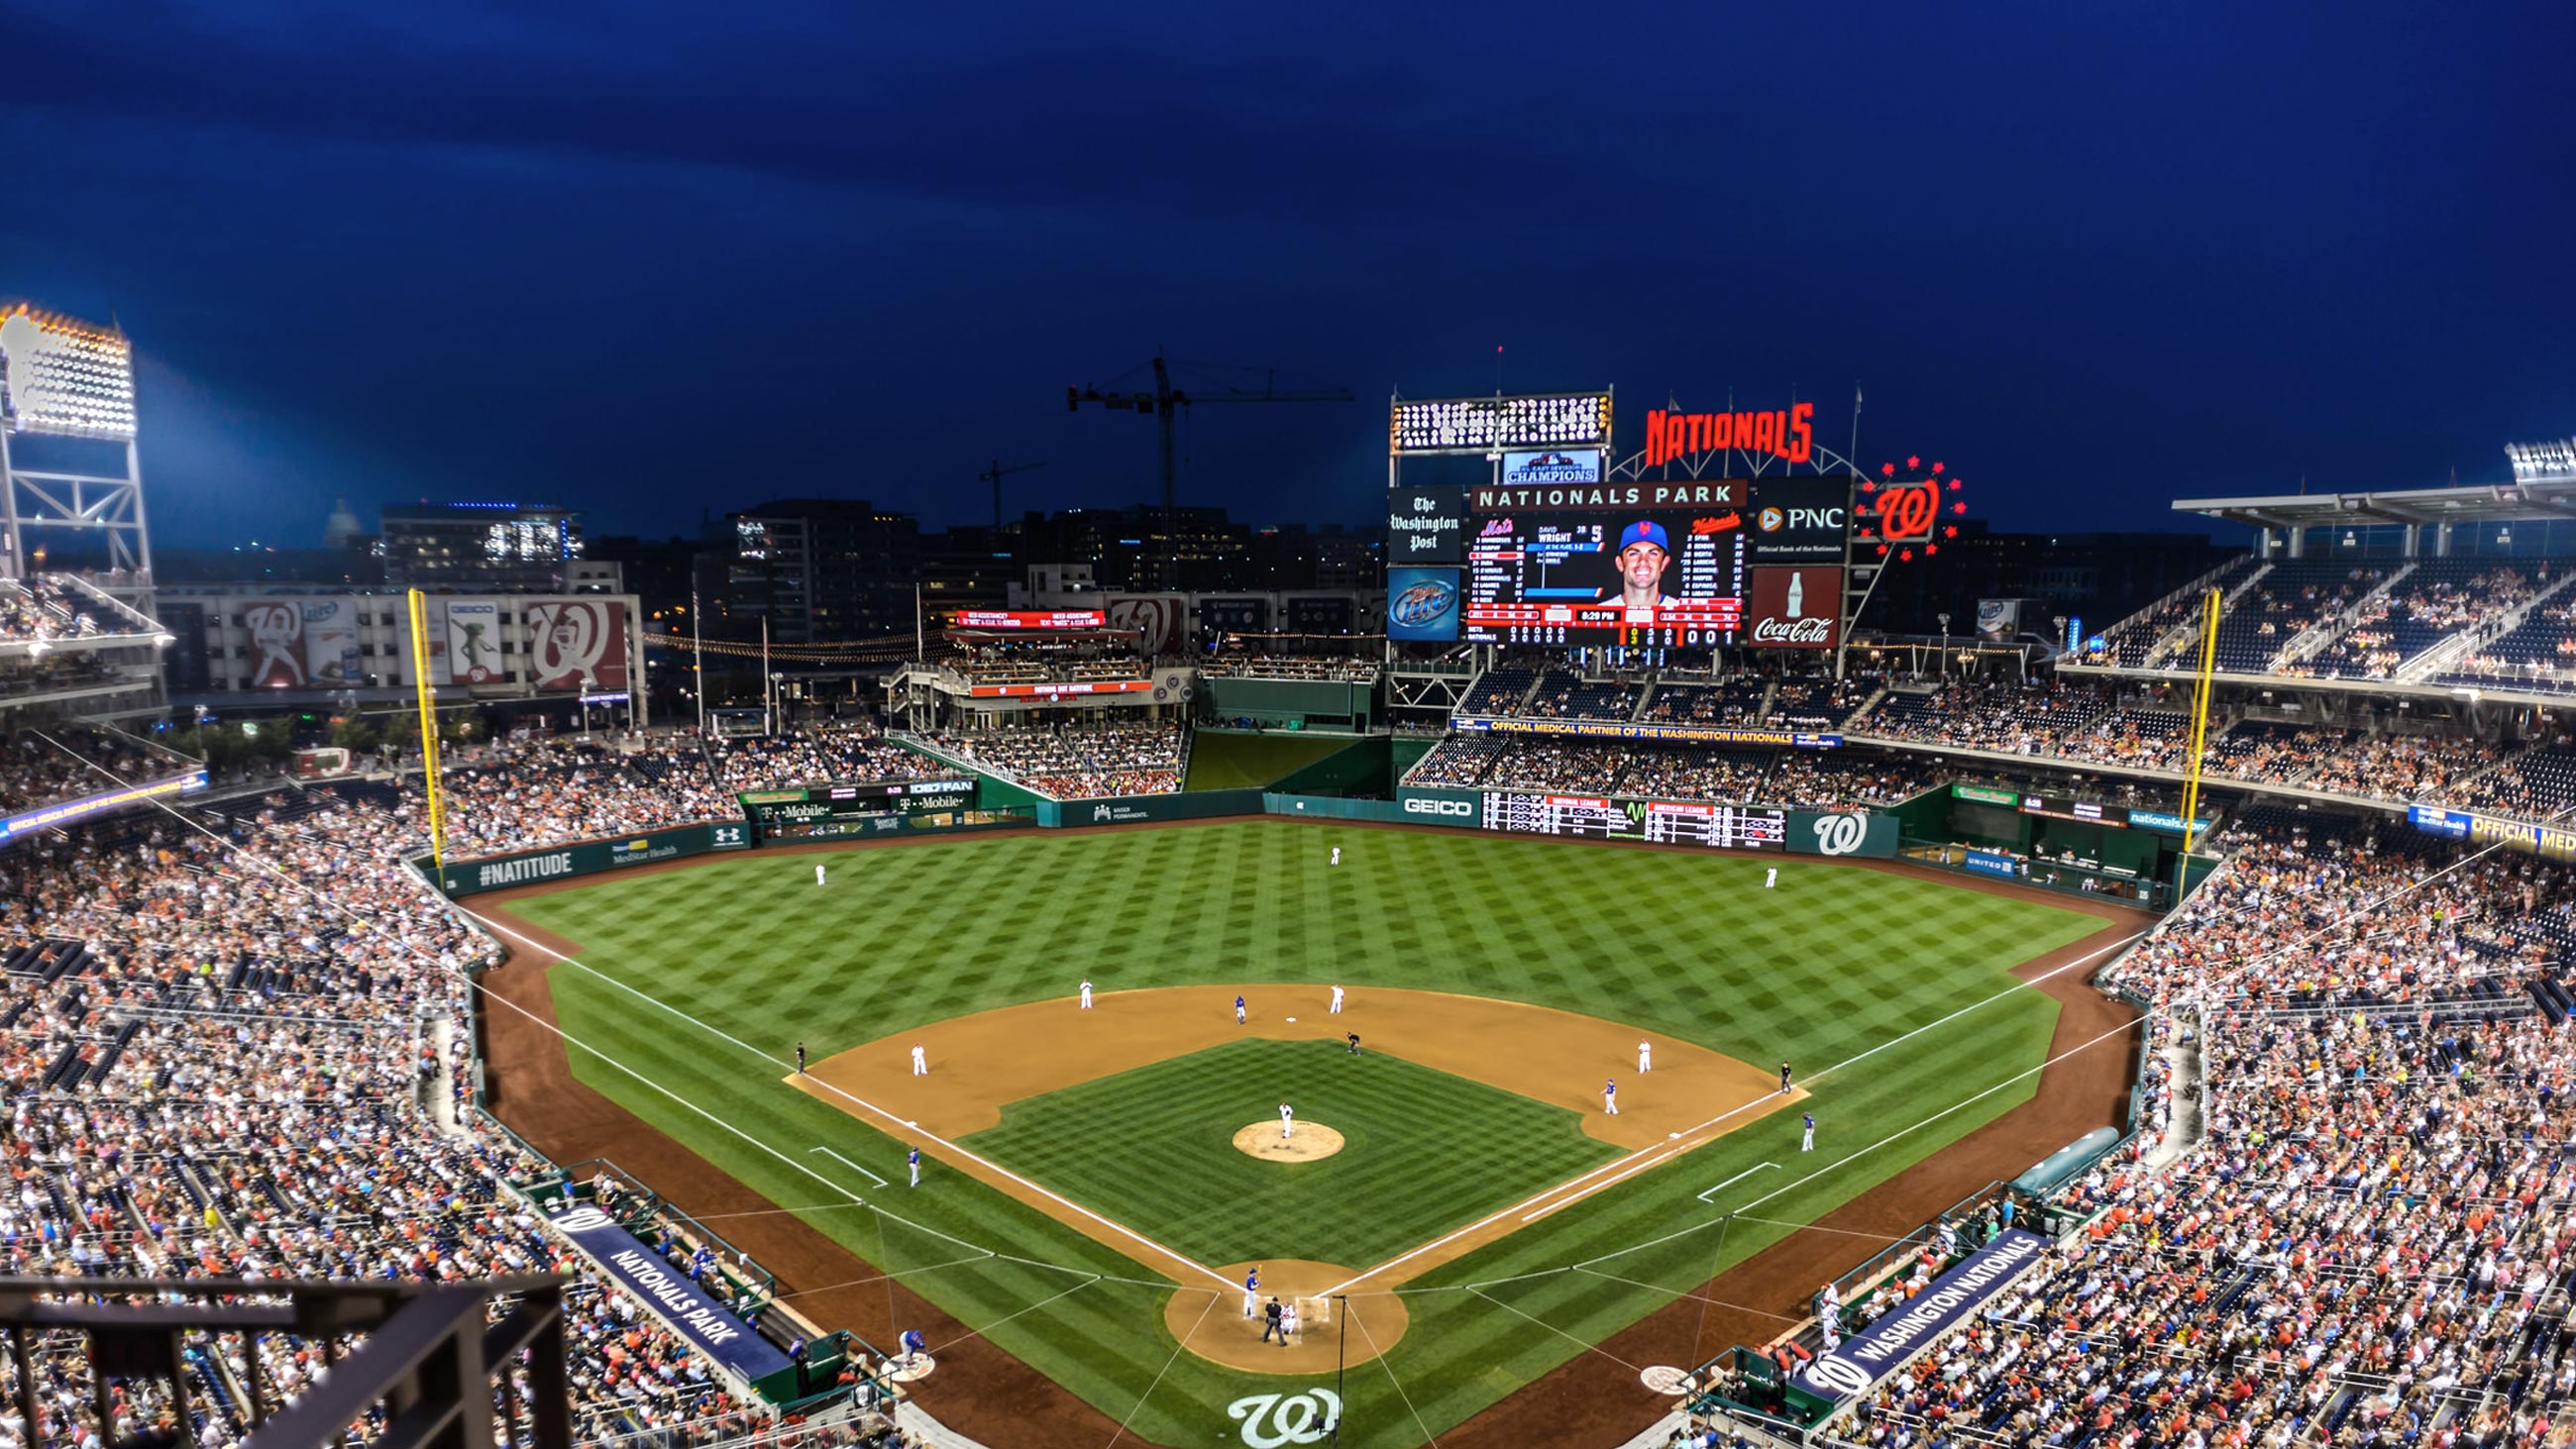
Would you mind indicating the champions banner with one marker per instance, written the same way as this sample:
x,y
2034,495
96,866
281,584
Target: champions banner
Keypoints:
x,y
664,1287
1678,733
1914,1325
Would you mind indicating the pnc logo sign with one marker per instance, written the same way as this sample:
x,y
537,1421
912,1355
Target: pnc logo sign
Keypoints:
x,y
1416,805
1772,520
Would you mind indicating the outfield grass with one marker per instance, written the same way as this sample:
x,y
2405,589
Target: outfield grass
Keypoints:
x,y
1223,760
1424,1152
1837,961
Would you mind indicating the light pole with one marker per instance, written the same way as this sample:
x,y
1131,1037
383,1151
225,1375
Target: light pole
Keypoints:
x,y
1945,645
589,683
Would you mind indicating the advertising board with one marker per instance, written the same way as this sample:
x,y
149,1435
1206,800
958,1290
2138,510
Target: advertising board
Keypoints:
x,y
1801,520
1422,605
1660,822
1988,862
473,641
705,1324
276,629
64,812
1431,805
819,811
1854,834
1059,690
1548,466
576,643
562,862
2061,807
1856,1364
1030,619
1794,607
1426,525
1676,733
331,656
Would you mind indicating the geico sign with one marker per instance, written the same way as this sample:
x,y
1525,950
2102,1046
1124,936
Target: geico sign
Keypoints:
x,y
1810,630
1438,807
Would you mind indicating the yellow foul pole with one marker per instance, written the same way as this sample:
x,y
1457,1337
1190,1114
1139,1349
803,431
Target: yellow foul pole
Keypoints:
x,y
2199,729
428,731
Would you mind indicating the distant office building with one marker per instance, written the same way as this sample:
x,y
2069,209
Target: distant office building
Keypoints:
x,y
501,546
821,569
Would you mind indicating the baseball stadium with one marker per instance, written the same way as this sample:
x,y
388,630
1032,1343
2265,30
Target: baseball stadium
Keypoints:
x,y
1613,995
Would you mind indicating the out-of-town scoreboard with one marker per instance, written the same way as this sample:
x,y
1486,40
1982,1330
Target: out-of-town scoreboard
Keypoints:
x,y
834,812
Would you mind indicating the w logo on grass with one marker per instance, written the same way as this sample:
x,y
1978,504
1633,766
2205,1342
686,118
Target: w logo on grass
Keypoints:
x,y
1273,1420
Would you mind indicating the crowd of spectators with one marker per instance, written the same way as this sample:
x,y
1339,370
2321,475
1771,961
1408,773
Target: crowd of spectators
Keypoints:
x,y
68,761
45,608
2016,719
2435,600
1081,762
2399,767
1285,666
834,757
219,1039
2370,1246
523,794
1565,694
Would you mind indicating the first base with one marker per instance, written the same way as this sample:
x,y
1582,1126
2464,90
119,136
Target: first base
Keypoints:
x,y
1292,1021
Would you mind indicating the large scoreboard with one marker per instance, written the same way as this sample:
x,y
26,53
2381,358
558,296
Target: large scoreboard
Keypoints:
x,y
1659,822
832,812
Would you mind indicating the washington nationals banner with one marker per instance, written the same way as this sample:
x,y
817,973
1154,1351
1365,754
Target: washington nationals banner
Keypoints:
x,y
473,641
664,1287
1887,1344
573,643
276,629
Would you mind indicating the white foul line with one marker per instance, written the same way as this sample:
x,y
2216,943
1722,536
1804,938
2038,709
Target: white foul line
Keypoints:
x,y
978,1159
1739,1177
854,1167
1596,1187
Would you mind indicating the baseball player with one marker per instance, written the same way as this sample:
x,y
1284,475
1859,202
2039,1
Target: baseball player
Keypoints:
x,y
1770,877
1086,993
1252,1292
1808,1142
1337,855
1355,1043
800,1059
1337,1001
1645,1056
1287,1121
1784,1079
921,1062
1610,1096
912,1160
1238,1011
912,1343
1273,1316
818,872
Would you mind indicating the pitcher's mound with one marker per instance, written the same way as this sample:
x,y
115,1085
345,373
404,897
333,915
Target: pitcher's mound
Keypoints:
x,y
1312,1142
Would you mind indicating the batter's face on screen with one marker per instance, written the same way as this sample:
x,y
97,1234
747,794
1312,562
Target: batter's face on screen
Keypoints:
x,y
1641,568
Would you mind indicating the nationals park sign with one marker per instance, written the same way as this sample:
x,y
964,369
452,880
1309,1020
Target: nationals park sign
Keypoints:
x,y
707,1325
1913,1326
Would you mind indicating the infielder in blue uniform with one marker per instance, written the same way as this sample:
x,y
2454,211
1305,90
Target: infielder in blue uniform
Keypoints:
x,y
1610,1097
912,1160
1238,1011
1808,1142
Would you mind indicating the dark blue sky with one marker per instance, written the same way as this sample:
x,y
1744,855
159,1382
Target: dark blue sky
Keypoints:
x,y
645,258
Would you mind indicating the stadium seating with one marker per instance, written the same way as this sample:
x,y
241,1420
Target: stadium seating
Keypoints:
x,y
1565,694
2538,784
1733,702
2128,643
1081,763
2539,654
1499,689
2287,600
2436,599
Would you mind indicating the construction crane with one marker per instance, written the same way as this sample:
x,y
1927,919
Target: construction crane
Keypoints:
x,y
995,474
1165,400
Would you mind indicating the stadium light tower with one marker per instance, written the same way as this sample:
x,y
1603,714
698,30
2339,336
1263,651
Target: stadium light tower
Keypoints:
x,y
61,378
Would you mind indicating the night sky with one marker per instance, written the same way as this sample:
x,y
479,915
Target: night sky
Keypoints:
x,y
648,258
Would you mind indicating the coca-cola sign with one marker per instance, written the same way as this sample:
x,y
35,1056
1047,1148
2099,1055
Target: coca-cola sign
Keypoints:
x,y
1793,607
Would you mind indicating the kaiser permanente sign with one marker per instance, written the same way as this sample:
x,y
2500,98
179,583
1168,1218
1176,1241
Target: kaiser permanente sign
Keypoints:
x,y
1887,1344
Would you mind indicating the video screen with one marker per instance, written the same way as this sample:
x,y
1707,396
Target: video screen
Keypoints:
x,y
1646,577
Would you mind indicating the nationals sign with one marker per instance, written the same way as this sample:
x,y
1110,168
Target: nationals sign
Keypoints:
x,y
1794,607
577,643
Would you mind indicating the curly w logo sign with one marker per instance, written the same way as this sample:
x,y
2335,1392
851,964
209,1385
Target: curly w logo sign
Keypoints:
x,y
577,643
1273,1420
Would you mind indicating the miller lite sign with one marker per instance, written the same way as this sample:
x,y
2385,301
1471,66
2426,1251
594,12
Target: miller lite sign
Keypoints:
x,y
1794,607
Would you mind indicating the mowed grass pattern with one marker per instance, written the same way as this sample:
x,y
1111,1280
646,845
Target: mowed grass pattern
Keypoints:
x,y
1424,1151
1839,960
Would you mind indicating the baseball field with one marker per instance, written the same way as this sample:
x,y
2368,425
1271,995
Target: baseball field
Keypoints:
x,y
1465,1218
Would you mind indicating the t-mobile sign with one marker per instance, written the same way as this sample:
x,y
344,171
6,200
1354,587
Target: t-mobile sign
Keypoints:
x,y
1793,607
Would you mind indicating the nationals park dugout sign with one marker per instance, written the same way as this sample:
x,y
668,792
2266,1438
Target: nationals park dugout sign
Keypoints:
x,y
1886,1345
707,1325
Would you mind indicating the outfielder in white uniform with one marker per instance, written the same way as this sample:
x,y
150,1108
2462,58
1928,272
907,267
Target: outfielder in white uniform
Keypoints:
x,y
920,1061
1287,1120
1086,993
1337,1001
1645,1056
818,872
1770,877
1337,855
